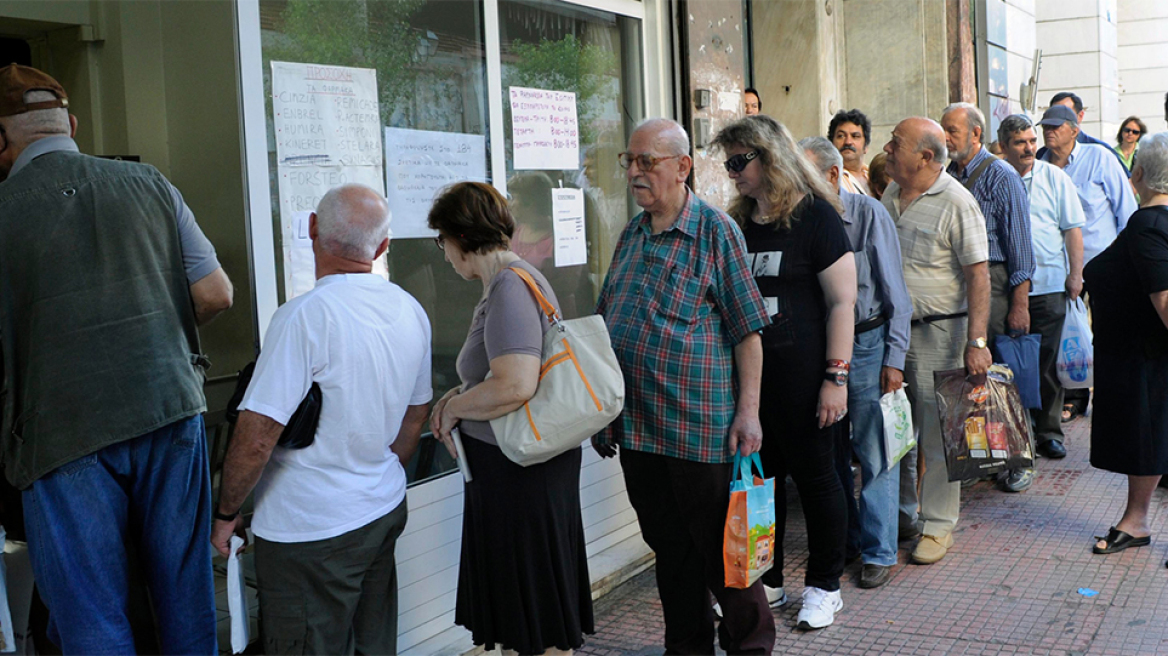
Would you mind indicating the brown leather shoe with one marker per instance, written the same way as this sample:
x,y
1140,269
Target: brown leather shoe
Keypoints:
x,y
931,549
874,576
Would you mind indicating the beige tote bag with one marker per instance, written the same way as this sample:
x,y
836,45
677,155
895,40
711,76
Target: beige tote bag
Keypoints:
x,y
581,389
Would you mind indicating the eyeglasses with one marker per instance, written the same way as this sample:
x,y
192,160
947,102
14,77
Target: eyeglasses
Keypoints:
x,y
644,161
440,242
1131,131
737,163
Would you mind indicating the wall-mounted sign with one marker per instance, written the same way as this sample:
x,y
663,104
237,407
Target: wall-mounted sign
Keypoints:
x,y
544,132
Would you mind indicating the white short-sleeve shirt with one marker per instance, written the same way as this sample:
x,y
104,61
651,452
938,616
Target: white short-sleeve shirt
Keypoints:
x,y
366,342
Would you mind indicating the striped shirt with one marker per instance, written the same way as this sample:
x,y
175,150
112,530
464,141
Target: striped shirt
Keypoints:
x,y
941,231
676,304
1006,208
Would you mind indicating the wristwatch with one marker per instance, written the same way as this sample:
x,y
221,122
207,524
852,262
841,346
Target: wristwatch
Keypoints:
x,y
978,343
840,378
223,517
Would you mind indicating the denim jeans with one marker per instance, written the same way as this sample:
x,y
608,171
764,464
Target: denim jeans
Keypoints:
x,y
880,489
154,490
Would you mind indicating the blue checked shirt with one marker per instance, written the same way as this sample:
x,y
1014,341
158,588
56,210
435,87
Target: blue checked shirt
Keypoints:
x,y
1006,207
676,304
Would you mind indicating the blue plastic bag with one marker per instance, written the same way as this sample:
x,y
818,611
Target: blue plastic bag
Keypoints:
x,y
1021,354
748,546
1076,355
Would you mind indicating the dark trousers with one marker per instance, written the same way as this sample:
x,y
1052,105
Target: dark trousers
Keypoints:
x,y
681,506
332,596
843,467
1047,313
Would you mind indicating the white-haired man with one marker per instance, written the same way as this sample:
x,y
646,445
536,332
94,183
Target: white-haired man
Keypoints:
x,y
883,314
684,314
328,516
103,377
943,245
1006,208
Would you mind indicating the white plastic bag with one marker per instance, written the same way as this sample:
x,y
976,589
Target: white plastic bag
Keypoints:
x,y
1076,355
7,637
237,598
899,438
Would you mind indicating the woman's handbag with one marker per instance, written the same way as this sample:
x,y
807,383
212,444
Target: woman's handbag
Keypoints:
x,y
581,389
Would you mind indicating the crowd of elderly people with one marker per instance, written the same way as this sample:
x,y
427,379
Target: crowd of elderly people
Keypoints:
x,y
772,327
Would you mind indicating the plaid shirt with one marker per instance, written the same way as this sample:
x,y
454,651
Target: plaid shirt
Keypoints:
x,y
676,305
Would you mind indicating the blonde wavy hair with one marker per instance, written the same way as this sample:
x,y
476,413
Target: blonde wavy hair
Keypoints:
x,y
789,174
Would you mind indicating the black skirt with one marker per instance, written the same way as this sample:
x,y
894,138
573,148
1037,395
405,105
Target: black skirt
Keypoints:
x,y
523,582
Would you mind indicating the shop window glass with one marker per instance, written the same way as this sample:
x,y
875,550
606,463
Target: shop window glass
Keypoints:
x,y
431,76
554,46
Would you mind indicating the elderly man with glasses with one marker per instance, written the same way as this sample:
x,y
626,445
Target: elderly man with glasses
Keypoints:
x,y
684,314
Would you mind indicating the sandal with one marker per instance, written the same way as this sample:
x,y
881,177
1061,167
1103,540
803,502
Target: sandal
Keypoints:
x,y
1070,412
1117,541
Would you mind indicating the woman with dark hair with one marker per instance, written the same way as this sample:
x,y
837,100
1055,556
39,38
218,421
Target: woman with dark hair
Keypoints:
x,y
877,178
1127,140
1128,284
803,264
523,581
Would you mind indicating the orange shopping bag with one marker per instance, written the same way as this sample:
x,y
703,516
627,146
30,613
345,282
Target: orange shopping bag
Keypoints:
x,y
748,543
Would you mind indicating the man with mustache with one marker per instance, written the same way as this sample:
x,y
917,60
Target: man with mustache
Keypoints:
x,y
850,132
1004,205
684,315
1056,229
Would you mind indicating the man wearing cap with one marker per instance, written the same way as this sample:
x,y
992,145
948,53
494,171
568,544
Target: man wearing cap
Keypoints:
x,y
106,276
1104,192
1075,104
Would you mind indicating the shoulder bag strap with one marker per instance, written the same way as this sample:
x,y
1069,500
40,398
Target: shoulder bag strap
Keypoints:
x,y
981,168
547,307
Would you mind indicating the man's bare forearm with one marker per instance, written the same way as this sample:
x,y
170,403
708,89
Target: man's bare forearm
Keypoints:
x,y
977,289
406,443
748,360
251,447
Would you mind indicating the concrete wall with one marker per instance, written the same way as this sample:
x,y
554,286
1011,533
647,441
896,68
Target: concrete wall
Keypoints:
x,y
1143,62
1078,39
1021,40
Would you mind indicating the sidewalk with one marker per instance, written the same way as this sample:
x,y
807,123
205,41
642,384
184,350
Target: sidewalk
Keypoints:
x,y
1010,584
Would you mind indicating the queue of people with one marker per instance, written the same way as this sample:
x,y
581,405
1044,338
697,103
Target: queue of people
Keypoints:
x,y
772,327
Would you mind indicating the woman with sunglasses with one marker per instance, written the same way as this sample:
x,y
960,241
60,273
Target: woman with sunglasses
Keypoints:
x,y
523,580
803,265
1127,141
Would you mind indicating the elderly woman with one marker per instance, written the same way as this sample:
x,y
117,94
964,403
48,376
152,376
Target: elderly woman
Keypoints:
x,y
1127,140
803,265
523,582
1128,284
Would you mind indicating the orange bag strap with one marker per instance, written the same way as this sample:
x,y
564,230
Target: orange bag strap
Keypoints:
x,y
544,304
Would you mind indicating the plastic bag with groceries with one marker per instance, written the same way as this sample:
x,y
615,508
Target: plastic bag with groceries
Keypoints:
x,y
984,426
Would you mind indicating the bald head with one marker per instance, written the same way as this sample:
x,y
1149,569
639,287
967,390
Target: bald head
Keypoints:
x,y
916,152
352,221
666,134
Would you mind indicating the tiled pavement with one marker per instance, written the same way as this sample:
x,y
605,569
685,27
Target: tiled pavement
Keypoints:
x,y
1009,585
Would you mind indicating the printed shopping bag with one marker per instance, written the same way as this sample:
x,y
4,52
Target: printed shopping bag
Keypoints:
x,y
748,547
899,437
1076,355
984,427
237,598
1021,354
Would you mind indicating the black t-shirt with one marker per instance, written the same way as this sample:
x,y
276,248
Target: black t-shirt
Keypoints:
x,y
1120,279
786,265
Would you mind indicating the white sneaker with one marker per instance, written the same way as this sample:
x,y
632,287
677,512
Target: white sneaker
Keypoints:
x,y
819,608
776,597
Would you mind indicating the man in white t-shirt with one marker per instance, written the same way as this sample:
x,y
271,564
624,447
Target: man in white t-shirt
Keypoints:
x,y
328,516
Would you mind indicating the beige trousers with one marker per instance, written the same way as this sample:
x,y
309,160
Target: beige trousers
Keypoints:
x,y
938,346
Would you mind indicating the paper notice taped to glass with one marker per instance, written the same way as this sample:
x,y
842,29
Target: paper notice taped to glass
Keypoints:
x,y
570,237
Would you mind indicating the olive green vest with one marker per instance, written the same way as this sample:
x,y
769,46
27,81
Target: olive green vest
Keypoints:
x,y
97,325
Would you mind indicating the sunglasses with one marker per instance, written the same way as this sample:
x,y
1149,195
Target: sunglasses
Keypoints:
x,y
440,241
644,161
737,163
1131,131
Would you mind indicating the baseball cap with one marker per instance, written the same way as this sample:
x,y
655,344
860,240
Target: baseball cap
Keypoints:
x,y
1057,115
17,80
